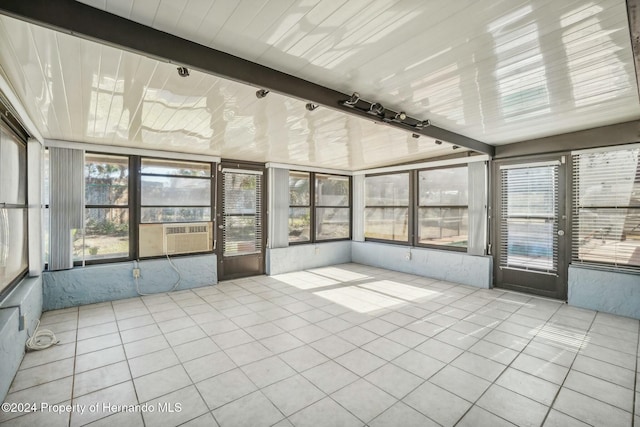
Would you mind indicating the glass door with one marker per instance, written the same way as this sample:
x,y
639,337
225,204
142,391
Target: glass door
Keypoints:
x,y
530,219
240,215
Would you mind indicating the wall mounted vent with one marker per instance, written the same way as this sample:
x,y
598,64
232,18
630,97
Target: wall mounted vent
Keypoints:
x,y
187,238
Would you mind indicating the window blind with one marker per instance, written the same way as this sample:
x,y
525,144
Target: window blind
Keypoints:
x,y
606,208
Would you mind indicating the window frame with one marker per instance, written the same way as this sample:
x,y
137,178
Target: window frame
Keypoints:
x,y
131,198
574,218
410,213
211,179
13,127
417,207
212,203
313,207
413,209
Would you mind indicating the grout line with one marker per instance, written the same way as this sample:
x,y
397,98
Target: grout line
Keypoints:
x,y
569,371
505,369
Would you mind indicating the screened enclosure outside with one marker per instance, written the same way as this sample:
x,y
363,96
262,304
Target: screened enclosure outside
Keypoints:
x,y
174,191
443,214
387,207
106,223
606,223
299,207
332,212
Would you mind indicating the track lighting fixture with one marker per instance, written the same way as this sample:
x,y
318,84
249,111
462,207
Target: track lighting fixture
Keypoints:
x,y
183,71
400,116
261,93
310,106
355,97
376,108
422,124
438,142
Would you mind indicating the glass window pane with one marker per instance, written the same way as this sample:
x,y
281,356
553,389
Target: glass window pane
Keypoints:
x,y
448,187
332,223
298,188
332,190
167,191
240,235
106,234
13,244
531,191
387,190
174,214
443,226
106,179
241,193
173,167
13,170
609,236
387,224
609,179
299,224
530,244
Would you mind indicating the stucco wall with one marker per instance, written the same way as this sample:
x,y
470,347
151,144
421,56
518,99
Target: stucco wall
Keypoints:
x,y
108,282
28,296
457,267
604,290
302,257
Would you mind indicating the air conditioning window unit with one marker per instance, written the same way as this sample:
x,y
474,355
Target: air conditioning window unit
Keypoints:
x,y
187,238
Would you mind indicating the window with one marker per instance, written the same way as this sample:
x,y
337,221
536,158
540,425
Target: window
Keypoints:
x,y
106,217
171,192
332,207
299,207
606,211
13,209
419,207
387,207
319,212
443,213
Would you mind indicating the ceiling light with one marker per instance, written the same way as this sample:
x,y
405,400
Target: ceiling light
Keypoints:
x,y
455,147
415,135
261,93
183,71
355,97
376,108
423,124
310,106
438,142
401,116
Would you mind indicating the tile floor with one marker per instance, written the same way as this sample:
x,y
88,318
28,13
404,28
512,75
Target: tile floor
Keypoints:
x,y
347,345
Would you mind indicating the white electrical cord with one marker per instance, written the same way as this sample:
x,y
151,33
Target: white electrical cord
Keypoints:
x,y
41,339
173,288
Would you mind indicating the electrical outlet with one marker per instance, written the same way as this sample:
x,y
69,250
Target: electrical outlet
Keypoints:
x,y
407,256
136,273
21,321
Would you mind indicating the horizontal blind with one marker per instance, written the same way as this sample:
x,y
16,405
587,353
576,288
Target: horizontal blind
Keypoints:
x,y
241,213
529,218
606,208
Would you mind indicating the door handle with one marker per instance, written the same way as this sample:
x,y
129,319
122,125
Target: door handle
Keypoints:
x,y
560,232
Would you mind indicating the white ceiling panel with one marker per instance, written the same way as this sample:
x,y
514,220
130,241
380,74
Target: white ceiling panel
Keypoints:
x,y
498,71
79,90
